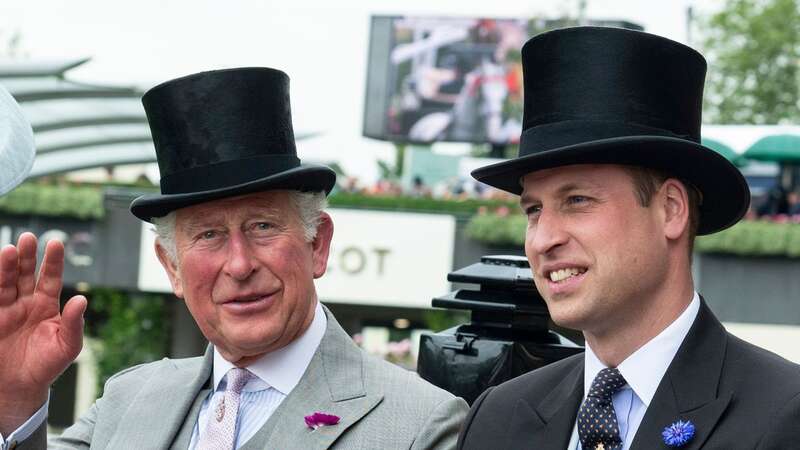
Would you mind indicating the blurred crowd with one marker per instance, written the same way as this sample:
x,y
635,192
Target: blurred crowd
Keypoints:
x,y
778,205
448,189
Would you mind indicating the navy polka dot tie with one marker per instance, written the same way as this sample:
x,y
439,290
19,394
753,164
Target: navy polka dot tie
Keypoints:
x,y
597,421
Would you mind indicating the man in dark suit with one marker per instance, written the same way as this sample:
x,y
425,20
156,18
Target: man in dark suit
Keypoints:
x,y
616,185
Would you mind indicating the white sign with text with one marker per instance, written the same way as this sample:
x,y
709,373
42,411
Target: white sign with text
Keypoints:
x,y
388,258
377,258
152,277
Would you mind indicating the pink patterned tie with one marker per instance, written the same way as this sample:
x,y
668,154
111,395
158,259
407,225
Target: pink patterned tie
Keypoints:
x,y
220,432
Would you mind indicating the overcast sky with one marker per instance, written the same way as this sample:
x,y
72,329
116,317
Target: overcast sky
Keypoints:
x,y
321,45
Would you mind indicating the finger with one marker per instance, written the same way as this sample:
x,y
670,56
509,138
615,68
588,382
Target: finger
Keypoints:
x,y
52,270
9,270
26,247
72,325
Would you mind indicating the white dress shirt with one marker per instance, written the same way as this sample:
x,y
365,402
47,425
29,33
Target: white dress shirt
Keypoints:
x,y
643,371
276,374
26,429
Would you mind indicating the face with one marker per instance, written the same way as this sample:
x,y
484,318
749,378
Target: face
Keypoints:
x,y
596,254
246,271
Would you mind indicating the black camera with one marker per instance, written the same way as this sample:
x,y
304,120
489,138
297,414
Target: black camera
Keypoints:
x,y
508,333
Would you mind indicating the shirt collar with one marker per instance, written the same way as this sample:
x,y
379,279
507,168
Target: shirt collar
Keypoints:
x,y
644,368
283,368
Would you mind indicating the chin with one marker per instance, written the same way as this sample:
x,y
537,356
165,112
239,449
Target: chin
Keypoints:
x,y
569,322
567,317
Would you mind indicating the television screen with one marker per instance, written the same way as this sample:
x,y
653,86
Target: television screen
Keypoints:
x,y
448,79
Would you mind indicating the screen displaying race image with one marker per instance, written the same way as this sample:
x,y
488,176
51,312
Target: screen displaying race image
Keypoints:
x,y
449,78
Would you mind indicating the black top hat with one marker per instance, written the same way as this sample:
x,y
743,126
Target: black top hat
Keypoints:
x,y
610,95
224,133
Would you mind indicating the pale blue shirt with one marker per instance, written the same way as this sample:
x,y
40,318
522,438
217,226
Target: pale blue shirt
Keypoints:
x,y
276,374
643,371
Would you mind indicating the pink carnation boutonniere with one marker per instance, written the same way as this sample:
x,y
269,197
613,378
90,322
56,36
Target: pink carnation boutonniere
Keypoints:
x,y
320,419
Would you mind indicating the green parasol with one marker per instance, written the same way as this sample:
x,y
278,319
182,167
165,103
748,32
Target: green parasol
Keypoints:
x,y
784,148
729,153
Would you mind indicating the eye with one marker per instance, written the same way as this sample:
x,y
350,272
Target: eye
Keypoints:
x,y
208,234
261,228
577,199
533,210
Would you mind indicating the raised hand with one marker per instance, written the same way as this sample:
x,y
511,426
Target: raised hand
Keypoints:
x,y
37,342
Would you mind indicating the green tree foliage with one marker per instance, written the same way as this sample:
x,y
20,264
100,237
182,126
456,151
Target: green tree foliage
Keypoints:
x,y
130,329
753,50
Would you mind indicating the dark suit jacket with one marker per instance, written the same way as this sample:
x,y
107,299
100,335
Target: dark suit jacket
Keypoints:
x,y
737,395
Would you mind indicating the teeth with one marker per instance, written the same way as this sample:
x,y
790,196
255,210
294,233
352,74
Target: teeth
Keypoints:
x,y
563,274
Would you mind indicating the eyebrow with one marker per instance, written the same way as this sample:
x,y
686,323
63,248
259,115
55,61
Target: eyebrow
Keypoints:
x,y
192,227
562,190
210,221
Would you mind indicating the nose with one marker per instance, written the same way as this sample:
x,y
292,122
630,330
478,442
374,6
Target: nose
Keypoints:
x,y
546,235
240,263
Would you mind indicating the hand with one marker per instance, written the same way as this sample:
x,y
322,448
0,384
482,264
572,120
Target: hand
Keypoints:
x,y
36,342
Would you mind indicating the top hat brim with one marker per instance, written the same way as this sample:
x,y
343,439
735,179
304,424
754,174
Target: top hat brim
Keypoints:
x,y
304,178
725,194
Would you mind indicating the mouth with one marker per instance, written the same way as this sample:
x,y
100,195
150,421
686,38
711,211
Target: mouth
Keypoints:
x,y
249,299
565,274
249,303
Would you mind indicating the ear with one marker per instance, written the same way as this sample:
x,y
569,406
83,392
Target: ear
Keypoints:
x,y
675,202
172,269
321,245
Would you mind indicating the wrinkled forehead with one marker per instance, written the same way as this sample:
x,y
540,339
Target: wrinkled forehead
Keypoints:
x,y
274,204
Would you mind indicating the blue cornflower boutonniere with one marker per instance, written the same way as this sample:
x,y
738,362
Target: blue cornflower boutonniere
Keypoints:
x,y
320,419
678,434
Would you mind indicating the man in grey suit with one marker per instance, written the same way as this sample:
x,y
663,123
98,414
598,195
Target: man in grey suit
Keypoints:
x,y
242,235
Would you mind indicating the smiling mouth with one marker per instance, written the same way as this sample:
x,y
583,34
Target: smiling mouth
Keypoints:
x,y
250,298
561,275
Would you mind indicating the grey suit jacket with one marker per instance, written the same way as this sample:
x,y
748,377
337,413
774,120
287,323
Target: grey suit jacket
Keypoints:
x,y
155,406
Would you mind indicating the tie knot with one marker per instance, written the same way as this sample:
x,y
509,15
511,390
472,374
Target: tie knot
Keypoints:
x,y
606,383
237,379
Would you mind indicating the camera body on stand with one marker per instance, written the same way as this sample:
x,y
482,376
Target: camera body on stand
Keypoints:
x,y
508,333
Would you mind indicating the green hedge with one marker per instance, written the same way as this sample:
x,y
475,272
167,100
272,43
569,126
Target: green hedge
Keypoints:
x,y
80,202
86,202
419,204
754,238
747,238
491,229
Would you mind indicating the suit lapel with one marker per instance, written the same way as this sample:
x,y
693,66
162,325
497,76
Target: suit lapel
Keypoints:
x,y
548,425
184,436
334,384
159,410
689,389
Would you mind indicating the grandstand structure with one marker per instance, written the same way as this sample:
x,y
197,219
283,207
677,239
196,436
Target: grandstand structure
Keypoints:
x,y
77,125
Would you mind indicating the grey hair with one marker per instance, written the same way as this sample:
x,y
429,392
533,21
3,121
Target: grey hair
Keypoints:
x,y
309,206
